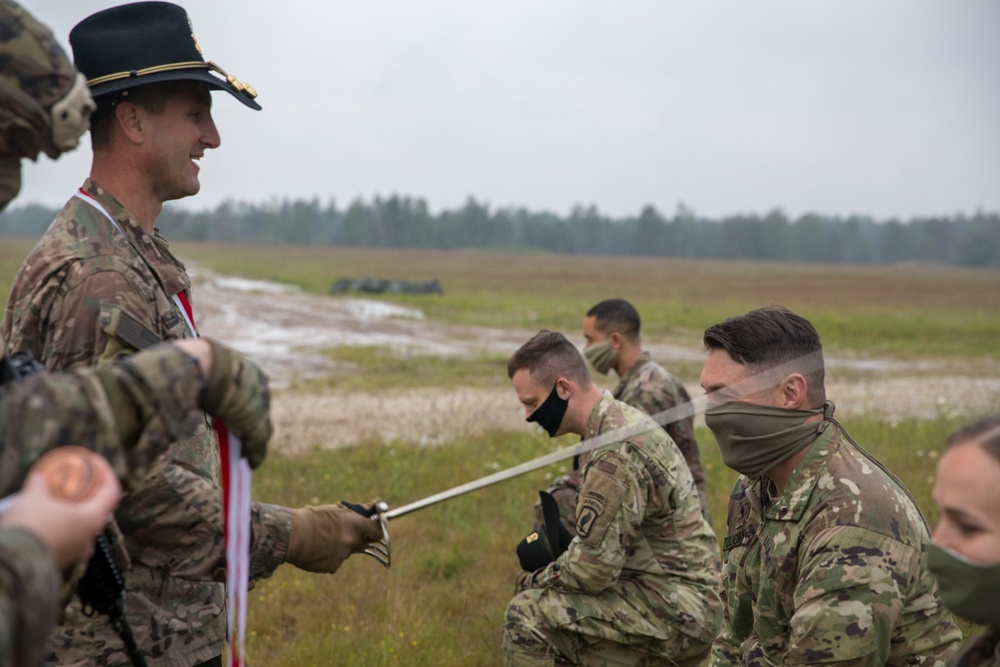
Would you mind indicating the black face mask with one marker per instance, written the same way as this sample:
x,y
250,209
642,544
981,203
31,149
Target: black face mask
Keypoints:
x,y
549,415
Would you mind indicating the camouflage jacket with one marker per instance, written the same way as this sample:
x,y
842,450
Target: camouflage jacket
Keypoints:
x,y
649,387
639,522
88,294
29,595
832,571
983,650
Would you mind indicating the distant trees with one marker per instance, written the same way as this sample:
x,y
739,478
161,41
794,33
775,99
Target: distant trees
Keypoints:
x,y
404,222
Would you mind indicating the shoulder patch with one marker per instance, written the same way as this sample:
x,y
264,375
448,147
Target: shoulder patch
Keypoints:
x,y
600,498
129,330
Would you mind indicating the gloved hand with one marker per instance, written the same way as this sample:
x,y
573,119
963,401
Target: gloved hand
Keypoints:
x,y
236,392
323,537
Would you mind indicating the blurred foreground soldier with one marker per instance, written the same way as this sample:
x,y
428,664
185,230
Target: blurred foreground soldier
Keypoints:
x,y
638,585
44,102
825,554
40,535
965,556
129,413
102,284
611,335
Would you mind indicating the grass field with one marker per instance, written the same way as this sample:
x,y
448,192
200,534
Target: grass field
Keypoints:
x,y
442,602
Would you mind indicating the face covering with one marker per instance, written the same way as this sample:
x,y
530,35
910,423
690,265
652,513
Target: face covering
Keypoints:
x,y
755,438
601,357
549,415
969,590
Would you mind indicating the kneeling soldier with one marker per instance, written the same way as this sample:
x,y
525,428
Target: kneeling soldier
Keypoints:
x,y
639,584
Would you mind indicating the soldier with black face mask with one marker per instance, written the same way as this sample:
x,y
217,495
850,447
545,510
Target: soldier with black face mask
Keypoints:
x,y
638,584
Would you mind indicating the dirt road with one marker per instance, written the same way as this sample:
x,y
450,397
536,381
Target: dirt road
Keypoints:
x,y
283,329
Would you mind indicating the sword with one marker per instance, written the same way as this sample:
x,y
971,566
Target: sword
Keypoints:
x,y
381,550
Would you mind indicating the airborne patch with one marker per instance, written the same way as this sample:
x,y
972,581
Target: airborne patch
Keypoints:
x,y
592,507
601,497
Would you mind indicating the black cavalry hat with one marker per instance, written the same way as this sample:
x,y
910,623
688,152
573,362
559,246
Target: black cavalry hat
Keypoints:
x,y
146,42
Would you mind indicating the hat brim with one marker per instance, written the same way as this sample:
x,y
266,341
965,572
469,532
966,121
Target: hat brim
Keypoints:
x,y
203,75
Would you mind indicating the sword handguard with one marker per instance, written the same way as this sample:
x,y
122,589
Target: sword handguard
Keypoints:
x,y
381,550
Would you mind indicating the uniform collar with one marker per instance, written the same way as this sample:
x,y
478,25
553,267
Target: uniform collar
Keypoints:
x,y
597,415
154,248
790,505
643,359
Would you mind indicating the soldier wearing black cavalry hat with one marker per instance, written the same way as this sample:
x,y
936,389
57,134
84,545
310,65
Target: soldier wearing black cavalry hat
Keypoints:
x,y
101,284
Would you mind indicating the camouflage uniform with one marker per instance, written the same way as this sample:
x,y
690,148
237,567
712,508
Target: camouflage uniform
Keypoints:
x,y
652,389
835,571
983,650
89,294
129,413
29,596
639,584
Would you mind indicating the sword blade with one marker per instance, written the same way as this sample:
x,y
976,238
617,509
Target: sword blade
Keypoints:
x,y
666,417
807,363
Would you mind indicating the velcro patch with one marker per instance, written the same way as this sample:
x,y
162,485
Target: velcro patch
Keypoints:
x,y
600,498
731,541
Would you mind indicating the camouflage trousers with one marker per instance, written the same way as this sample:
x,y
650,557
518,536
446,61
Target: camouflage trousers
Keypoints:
x,y
544,627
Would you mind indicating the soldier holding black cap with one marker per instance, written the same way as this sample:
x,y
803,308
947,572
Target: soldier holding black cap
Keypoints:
x,y
639,583
102,284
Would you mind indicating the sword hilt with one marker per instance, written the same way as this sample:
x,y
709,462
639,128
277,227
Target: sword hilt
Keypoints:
x,y
381,550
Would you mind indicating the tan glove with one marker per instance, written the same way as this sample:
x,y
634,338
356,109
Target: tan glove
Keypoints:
x,y
236,392
323,537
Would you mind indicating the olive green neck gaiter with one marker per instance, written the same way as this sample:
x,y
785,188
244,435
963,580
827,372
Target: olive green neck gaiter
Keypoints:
x,y
601,356
755,438
969,590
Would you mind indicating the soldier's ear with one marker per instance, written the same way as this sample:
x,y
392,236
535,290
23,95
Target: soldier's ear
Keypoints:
x,y
131,120
563,388
616,340
794,392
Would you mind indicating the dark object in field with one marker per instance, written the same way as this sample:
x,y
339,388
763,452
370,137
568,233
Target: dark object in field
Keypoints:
x,y
382,285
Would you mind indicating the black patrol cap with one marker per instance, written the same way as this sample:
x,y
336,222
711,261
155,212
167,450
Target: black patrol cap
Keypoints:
x,y
146,42
547,543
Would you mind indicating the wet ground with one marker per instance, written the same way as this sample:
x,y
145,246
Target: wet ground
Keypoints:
x,y
283,329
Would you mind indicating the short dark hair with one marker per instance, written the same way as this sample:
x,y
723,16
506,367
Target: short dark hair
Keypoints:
x,y
547,356
985,431
769,337
616,315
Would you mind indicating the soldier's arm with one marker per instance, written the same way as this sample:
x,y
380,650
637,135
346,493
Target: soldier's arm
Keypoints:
x,y
187,538
609,512
29,597
849,596
129,413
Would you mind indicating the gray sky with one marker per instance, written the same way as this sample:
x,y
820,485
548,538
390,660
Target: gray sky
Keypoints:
x,y
888,108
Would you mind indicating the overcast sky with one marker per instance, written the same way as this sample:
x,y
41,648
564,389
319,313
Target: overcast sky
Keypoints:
x,y
887,108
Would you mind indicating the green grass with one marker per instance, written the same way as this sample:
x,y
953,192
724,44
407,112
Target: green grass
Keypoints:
x,y
375,368
442,602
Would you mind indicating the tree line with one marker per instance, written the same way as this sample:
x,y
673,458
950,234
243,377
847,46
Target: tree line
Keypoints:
x,y
405,222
